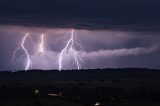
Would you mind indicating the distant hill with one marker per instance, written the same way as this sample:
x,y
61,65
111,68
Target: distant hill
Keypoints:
x,y
90,75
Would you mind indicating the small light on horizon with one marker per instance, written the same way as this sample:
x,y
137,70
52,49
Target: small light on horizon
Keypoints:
x,y
55,94
97,104
36,91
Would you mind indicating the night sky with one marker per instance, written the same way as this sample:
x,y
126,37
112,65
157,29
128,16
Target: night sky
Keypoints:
x,y
112,33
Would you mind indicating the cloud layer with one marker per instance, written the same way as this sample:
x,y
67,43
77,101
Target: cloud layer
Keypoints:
x,y
137,15
101,49
120,52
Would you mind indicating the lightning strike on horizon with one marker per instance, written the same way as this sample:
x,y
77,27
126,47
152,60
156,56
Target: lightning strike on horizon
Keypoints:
x,y
28,64
41,46
42,53
70,48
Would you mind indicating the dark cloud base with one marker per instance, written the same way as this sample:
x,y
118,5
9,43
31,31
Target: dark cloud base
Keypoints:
x,y
137,15
82,23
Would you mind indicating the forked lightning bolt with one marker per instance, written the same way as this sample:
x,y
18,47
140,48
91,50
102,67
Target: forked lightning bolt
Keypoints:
x,y
28,63
70,48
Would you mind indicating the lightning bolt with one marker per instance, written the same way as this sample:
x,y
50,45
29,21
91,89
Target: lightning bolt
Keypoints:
x,y
41,46
70,48
28,63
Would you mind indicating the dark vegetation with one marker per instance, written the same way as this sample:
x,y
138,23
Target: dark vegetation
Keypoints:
x,y
99,87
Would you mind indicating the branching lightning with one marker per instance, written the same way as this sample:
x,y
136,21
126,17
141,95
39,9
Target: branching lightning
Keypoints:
x,y
28,63
68,52
70,48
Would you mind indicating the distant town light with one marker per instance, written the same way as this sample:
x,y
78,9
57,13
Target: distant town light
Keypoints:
x,y
52,94
55,94
97,104
36,91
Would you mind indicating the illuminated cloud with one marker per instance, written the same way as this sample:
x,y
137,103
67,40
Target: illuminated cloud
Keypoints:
x,y
120,52
100,49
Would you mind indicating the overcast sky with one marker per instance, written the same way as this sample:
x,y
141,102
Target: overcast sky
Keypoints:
x,y
113,33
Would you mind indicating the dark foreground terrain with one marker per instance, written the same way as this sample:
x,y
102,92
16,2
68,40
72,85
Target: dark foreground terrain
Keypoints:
x,y
101,87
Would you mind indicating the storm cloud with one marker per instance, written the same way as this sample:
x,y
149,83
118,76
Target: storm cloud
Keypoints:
x,y
100,49
113,33
137,15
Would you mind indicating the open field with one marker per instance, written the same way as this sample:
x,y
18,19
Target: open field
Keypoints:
x,y
109,87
